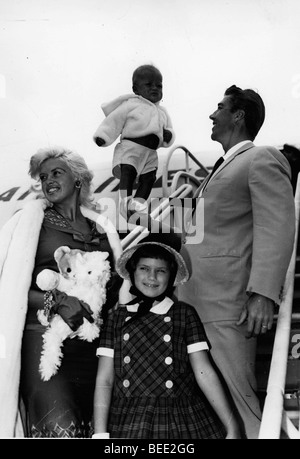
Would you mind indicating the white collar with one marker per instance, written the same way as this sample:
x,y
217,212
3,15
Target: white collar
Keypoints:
x,y
235,148
160,308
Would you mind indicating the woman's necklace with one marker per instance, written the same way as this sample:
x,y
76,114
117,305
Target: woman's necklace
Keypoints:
x,y
82,227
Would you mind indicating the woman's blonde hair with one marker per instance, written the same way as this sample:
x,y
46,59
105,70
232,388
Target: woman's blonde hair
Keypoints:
x,y
75,163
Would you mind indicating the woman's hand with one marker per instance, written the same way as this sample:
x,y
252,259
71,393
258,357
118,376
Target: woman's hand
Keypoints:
x,y
71,309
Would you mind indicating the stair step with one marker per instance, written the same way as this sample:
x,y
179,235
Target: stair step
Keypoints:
x,y
296,284
292,404
264,356
296,294
293,375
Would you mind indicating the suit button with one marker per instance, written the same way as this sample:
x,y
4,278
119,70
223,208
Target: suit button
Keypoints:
x,y
169,384
127,359
126,337
126,383
167,338
168,360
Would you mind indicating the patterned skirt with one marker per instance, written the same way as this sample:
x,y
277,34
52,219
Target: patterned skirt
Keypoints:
x,y
163,418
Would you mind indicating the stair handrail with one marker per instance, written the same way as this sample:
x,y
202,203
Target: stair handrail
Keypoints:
x,y
160,212
165,171
273,415
181,174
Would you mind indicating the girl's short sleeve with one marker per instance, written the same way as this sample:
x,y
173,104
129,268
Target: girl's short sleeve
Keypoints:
x,y
107,337
195,334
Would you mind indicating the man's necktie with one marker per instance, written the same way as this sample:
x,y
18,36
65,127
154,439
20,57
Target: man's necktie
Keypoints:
x,y
216,166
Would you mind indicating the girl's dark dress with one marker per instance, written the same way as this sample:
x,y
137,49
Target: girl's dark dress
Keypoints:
x,y
155,392
62,406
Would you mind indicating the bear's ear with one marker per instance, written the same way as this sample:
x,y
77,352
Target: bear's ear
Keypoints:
x,y
79,257
60,252
104,255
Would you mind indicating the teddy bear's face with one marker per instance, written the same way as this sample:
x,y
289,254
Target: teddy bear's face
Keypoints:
x,y
65,259
92,268
85,267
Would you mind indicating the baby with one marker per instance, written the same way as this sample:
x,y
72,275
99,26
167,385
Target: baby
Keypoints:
x,y
143,126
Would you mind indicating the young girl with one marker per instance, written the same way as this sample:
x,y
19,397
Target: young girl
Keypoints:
x,y
143,126
155,379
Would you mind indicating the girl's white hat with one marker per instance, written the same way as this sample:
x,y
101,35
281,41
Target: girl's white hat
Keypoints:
x,y
182,271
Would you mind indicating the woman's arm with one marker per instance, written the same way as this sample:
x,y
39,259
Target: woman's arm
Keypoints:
x,y
103,392
213,390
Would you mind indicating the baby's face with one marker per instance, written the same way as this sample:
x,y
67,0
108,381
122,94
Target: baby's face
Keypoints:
x,y
149,85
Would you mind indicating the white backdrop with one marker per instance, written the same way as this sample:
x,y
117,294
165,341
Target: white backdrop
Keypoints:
x,y
60,59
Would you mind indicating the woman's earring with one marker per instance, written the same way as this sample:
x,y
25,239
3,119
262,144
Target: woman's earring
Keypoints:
x,y
78,184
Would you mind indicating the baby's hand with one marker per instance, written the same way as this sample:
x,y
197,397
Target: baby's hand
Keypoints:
x,y
99,141
167,135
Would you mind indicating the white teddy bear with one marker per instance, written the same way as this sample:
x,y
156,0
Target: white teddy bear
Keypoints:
x,y
83,275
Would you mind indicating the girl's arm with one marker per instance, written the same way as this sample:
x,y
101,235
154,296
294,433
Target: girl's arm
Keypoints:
x,y
212,388
102,396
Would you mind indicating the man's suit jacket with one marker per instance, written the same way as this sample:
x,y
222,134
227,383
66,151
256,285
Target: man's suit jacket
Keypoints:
x,y
249,227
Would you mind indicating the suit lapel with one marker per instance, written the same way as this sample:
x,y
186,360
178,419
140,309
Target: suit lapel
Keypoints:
x,y
243,148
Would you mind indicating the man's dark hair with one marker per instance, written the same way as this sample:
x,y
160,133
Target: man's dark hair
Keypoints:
x,y
252,104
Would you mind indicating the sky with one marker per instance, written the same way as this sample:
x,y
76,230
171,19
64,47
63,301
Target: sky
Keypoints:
x,y
61,59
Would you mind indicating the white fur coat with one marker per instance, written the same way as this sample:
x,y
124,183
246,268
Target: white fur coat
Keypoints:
x,y
18,242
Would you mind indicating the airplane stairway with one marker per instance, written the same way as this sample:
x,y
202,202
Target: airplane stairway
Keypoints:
x,y
264,354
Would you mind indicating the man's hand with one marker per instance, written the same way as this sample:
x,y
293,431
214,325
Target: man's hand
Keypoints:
x,y
258,311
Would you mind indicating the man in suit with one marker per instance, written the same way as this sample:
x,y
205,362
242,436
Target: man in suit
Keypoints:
x,y
238,270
